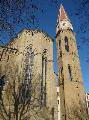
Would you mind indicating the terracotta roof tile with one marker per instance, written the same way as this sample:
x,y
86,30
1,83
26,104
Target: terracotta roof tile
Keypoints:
x,y
63,14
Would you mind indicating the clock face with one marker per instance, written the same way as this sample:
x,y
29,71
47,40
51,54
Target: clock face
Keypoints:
x,y
65,25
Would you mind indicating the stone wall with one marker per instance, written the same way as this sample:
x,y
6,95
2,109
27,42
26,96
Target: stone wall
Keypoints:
x,y
16,54
70,76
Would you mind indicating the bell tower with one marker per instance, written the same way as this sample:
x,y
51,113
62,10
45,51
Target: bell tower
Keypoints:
x,y
70,83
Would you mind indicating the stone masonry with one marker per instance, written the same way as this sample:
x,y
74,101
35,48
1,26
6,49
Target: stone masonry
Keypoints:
x,y
41,45
70,84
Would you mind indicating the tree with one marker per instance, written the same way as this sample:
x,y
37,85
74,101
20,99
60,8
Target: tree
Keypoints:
x,y
21,101
78,112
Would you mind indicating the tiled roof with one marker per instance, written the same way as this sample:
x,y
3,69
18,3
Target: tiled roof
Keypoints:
x,y
63,14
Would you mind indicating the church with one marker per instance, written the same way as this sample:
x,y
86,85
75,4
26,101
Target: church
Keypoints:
x,y
30,56
70,82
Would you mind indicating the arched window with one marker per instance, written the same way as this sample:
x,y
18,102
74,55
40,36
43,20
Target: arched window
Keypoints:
x,y
59,43
70,73
29,64
66,44
44,74
2,83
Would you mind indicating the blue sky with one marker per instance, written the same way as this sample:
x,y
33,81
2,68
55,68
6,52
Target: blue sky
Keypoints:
x,y
46,17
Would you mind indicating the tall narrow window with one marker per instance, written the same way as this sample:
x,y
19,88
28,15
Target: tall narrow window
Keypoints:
x,y
2,83
70,74
59,43
53,113
58,101
60,53
88,104
43,81
62,70
66,44
29,64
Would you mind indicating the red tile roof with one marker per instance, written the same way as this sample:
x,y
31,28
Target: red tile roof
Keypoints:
x,y
63,14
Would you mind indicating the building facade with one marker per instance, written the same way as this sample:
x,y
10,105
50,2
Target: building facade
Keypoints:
x,y
31,50
70,82
31,54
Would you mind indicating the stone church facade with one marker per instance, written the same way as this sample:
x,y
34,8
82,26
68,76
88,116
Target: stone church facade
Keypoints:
x,y
32,52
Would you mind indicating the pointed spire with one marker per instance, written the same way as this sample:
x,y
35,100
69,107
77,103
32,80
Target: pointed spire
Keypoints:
x,y
63,14
63,22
